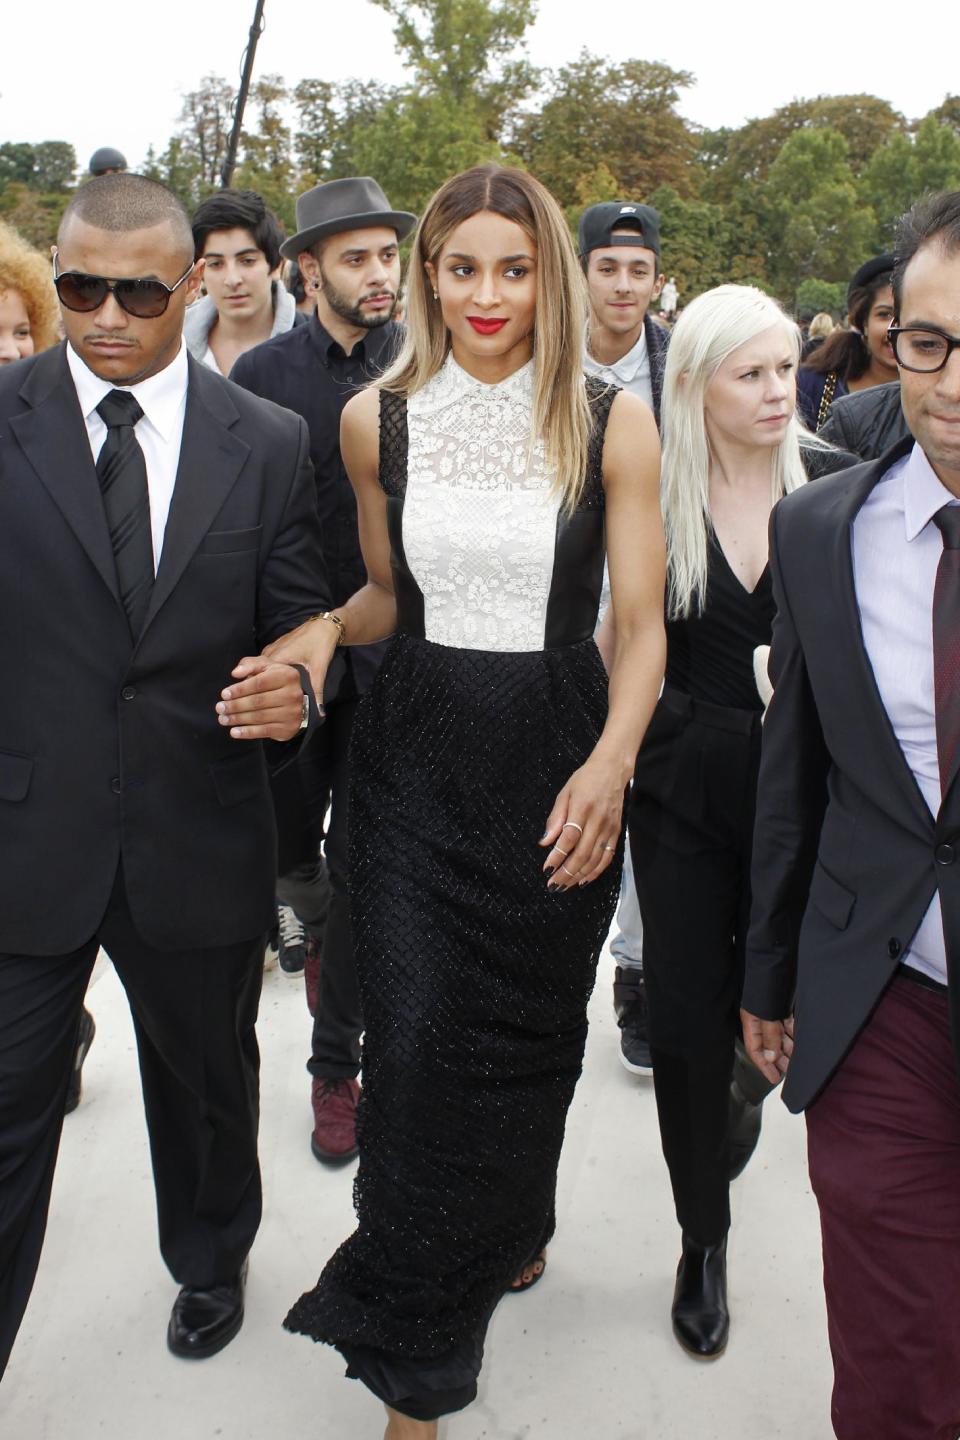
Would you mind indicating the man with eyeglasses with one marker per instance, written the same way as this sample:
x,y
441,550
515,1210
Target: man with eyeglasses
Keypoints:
x,y
155,522
852,960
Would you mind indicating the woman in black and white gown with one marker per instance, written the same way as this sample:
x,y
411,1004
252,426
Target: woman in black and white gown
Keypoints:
x,y
489,767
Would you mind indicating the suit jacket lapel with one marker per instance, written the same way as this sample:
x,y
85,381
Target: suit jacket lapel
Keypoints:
x,y
54,439
850,501
211,459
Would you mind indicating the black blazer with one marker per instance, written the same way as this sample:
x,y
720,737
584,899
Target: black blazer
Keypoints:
x,y
847,855
112,749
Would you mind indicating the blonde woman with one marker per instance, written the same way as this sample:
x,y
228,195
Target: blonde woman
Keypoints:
x,y
732,448
28,301
488,769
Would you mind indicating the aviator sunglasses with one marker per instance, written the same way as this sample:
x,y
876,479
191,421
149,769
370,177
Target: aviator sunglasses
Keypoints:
x,y
146,299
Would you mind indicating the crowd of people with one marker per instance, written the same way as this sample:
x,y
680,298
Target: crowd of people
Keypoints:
x,y
389,629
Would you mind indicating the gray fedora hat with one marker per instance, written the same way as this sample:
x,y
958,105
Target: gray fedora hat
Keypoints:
x,y
354,204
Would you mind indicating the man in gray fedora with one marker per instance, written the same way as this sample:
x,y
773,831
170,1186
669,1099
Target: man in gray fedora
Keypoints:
x,y
347,248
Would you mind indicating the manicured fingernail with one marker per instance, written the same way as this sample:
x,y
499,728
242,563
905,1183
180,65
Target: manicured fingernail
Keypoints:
x,y
549,869
237,733
226,695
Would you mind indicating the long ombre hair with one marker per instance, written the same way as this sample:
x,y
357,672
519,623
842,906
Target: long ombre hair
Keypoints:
x,y
561,412
709,329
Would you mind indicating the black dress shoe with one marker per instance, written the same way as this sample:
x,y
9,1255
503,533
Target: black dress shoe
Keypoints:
x,y
85,1033
701,1320
204,1321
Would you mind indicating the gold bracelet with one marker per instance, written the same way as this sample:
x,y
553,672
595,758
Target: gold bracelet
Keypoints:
x,y
334,620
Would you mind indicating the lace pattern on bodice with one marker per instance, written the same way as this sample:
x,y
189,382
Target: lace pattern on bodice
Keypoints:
x,y
479,509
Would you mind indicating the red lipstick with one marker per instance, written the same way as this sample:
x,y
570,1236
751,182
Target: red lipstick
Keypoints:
x,y
485,327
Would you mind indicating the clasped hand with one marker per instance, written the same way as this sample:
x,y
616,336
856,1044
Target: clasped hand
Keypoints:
x,y
265,703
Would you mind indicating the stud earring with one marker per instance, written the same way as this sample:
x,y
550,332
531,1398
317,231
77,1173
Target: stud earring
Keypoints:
x,y
436,294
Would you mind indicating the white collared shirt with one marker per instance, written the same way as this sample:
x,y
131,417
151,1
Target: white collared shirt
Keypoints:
x,y
631,372
163,400
895,543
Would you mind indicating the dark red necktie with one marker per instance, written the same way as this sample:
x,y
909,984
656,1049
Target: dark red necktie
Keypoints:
x,y
946,644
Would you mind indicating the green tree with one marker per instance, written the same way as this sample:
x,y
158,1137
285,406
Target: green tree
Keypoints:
x,y
54,166
16,163
318,122
466,72
816,223
622,117
864,121
466,51
702,248
906,168
267,164
206,117
817,295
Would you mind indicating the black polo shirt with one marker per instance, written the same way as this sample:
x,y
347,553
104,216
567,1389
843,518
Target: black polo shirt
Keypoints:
x,y
307,371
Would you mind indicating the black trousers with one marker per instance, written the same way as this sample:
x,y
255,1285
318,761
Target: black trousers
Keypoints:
x,y
194,1013
691,831
320,897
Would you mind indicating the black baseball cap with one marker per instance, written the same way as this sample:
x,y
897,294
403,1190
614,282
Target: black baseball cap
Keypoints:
x,y
598,221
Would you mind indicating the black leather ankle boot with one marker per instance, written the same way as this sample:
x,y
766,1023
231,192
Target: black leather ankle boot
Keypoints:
x,y
701,1320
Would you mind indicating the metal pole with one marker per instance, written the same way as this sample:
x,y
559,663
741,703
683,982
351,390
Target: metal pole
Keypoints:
x,y
229,164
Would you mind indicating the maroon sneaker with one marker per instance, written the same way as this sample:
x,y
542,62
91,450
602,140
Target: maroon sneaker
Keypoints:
x,y
311,973
334,1138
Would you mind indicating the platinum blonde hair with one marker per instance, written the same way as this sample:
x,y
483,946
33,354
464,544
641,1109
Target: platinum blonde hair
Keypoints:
x,y
709,329
561,412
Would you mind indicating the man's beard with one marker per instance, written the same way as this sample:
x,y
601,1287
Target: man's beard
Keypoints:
x,y
341,305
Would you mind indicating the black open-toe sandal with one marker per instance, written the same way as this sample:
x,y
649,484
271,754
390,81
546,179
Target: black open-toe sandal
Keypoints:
x,y
541,1260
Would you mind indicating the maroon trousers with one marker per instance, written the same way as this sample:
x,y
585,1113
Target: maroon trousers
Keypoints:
x,y
884,1150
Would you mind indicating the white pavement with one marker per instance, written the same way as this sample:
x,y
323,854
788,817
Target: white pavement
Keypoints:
x,y
587,1355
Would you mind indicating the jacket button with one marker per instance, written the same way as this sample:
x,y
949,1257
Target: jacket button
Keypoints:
x,y
945,854
893,947
115,785
128,692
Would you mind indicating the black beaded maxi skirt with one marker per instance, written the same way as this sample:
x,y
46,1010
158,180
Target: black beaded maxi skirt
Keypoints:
x,y
474,984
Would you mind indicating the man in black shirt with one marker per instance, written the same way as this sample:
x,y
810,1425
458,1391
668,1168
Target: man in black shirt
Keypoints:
x,y
346,246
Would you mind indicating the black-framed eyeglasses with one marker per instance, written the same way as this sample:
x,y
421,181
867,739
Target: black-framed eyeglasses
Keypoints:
x,y
921,347
146,299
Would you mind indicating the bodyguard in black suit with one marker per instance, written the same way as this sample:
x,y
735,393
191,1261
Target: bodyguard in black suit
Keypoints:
x,y
132,814
856,882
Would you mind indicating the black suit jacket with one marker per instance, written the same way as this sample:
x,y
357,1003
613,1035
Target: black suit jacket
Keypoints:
x,y
112,749
845,848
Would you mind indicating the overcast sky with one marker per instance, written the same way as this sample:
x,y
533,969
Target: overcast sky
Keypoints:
x,y
748,57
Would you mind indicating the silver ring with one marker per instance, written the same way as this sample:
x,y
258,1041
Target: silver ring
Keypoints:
x,y
609,847
572,824
569,872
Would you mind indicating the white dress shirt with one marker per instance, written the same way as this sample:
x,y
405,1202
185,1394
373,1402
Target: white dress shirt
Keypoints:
x,y
163,400
896,551
631,372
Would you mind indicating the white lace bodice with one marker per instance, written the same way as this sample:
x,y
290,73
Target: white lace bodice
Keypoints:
x,y
480,513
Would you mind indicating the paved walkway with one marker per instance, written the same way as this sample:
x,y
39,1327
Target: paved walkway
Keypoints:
x,y
586,1356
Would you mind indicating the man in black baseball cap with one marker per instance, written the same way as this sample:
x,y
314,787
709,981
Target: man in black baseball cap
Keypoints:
x,y
347,249
619,244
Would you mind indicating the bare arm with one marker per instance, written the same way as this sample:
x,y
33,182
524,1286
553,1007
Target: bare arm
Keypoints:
x,y
592,800
371,613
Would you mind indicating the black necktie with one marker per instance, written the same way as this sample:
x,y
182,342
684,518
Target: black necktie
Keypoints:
x,y
946,644
122,472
